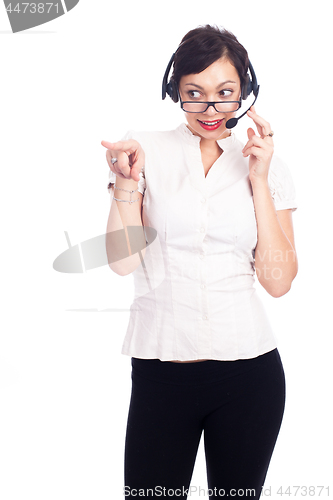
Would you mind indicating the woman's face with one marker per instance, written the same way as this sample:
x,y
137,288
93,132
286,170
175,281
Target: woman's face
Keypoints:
x,y
218,82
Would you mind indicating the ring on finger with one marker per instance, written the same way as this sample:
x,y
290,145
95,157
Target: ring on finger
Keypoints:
x,y
270,134
114,160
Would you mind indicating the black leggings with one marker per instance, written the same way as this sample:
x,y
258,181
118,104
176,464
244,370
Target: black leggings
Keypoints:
x,y
238,405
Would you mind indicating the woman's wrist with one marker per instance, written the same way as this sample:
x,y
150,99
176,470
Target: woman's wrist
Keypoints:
x,y
125,190
126,183
260,184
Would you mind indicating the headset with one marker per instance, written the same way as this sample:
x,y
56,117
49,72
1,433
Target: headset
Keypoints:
x,y
250,85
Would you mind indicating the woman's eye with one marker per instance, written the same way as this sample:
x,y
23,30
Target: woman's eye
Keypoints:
x,y
194,94
226,93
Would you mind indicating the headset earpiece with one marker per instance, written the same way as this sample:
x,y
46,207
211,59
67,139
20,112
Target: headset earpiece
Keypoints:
x,y
172,90
246,88
251,84
170,87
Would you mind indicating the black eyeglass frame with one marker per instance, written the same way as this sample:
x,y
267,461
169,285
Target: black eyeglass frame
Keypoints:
x,y
210,103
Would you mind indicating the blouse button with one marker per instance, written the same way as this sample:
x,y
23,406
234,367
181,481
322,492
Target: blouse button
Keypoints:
x,y
202,229
201,256
203,286
205,317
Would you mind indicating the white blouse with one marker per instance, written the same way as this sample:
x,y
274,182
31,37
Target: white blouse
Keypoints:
x,y
194,298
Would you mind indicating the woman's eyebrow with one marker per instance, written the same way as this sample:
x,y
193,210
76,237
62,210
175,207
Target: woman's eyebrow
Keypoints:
x,y
220,85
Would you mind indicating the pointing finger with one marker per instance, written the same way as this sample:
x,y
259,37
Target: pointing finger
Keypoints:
x,y
106,144
128,147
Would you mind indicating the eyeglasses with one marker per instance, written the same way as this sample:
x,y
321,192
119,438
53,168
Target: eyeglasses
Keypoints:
x,y
202,106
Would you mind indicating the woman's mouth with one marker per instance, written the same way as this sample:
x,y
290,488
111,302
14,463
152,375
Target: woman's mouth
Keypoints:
x,y
212,125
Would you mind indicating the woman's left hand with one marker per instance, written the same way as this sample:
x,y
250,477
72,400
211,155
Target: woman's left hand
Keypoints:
x,y
259,149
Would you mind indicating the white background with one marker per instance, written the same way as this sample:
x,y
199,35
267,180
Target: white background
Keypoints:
x,y
90,75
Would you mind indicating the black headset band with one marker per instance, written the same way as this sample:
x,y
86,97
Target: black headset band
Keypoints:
x,y
252,83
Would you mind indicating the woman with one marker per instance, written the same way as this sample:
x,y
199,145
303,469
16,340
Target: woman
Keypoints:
x,y
204,356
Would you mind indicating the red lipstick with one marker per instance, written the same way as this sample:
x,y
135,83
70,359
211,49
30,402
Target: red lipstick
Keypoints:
x,y
210,125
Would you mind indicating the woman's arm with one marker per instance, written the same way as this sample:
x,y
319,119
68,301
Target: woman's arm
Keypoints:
x,y
123,214
120,240
275,256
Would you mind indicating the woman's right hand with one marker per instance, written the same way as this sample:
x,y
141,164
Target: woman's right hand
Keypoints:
x,y
130,158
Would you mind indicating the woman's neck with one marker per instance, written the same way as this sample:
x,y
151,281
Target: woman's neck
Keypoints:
x,y
210,144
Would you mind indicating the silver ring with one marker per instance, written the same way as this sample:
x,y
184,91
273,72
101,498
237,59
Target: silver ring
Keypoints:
x,y
114,160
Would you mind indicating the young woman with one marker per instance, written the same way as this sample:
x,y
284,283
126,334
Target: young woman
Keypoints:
x,y
204,356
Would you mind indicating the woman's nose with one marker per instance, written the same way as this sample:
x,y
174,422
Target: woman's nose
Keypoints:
x,y
210,111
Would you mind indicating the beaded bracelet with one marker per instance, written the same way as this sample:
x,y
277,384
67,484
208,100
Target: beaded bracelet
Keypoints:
x,y
128,191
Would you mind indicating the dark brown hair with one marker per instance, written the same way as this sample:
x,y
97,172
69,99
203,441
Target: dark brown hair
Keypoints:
x,y
204,45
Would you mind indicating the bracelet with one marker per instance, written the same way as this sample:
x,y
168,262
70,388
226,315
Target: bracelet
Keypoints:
x,y
128,191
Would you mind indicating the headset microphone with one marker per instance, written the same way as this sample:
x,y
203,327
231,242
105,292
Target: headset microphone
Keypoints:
x,y
232,122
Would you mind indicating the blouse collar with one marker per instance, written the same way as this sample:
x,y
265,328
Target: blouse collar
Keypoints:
x,y
225,144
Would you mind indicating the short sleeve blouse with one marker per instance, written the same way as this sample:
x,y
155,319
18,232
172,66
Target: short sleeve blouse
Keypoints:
x,y
195,296
281,185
